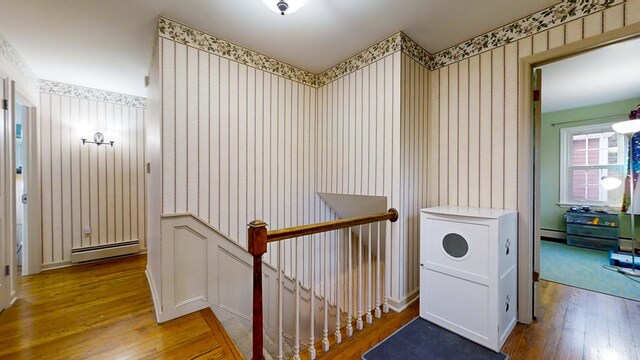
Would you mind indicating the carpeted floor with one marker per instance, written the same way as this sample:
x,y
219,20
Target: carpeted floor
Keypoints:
x,y
582,268
421,339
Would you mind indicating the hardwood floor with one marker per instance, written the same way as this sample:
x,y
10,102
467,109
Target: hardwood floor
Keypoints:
x,y
100,311
575,324
578,324
104,311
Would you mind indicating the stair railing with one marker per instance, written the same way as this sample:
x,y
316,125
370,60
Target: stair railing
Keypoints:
x,y
258,238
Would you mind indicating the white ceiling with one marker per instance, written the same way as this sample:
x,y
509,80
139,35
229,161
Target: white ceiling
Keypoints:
x,y
107,44
604,75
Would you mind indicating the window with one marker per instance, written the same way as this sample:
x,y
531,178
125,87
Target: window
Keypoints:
x,y
588,154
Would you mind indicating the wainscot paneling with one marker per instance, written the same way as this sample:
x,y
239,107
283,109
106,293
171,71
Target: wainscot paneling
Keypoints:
x,y
100,187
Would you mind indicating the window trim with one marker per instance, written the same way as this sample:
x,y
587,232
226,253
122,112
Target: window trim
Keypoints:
x,y
566,150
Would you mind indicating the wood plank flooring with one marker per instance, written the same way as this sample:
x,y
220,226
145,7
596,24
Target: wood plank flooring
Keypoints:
x,y
99,311
575,324
578,324
104,311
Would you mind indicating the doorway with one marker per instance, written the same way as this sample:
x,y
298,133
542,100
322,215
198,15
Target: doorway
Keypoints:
x,y
21,144
583,166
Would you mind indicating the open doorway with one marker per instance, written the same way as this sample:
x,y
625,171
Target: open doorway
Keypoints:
x,y
583,166
21,142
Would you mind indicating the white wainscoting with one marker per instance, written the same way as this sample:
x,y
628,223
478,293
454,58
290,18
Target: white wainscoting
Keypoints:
x,y
203,268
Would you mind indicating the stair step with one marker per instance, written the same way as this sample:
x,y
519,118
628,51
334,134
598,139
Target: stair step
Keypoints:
x,y
243,339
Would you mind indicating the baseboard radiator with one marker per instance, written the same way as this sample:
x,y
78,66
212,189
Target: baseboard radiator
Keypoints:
x,y
97,252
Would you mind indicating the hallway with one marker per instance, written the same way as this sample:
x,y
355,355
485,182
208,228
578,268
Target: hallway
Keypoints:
x,y
104,311
99,311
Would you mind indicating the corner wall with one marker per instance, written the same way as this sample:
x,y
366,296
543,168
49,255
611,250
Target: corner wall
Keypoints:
x,y
245,137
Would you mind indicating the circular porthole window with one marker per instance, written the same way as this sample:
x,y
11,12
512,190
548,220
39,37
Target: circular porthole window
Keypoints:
x,y
455,245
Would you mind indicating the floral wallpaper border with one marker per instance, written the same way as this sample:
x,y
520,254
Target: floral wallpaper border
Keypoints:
x,y
14,58
562,12
81,92
396,42
385,47
554,15
186,35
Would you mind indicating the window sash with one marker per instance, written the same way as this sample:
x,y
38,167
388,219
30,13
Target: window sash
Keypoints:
x,y
589,133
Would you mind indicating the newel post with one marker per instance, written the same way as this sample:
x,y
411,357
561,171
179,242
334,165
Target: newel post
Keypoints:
x,y
257,247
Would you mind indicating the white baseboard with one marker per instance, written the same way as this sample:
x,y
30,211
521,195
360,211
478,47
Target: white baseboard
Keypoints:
x,y
399,305
554,234
65,264
157,303
57,265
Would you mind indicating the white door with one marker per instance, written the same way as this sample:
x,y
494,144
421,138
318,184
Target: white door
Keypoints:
x,y
32,243
7,193
4,116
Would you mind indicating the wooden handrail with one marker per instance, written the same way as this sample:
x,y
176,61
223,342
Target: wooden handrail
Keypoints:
x,y
258,237
293,232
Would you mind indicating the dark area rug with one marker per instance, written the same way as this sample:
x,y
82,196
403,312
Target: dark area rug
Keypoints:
x,y
423,340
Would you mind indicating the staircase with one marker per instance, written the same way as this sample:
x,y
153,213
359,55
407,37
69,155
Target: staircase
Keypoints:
x,y
241,336
351,279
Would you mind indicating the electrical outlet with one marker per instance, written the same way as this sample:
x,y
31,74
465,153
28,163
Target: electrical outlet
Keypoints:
x,y
87,231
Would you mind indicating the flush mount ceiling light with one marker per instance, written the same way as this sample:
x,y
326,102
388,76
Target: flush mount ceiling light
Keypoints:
x,y
284,6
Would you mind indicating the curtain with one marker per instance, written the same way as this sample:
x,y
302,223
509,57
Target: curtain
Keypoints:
x,y
633,169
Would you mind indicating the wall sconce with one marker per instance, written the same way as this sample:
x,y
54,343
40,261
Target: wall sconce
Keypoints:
x,y
98,139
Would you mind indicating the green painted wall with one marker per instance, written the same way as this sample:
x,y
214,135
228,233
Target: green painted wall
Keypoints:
x,y
551,214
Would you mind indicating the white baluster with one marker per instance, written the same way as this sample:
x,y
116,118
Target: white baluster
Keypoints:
x,y
280,279
296,346
312,348
387,271
369,282
359,324
350,287
338,335
325,331
378,288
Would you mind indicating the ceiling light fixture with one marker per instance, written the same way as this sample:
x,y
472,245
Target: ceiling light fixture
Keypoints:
x,y
281,6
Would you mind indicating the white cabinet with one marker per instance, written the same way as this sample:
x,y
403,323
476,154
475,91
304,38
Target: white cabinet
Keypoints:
x,y
468,271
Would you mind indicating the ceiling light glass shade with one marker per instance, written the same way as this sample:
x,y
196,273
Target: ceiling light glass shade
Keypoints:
x,y
610,183
294,5
627,127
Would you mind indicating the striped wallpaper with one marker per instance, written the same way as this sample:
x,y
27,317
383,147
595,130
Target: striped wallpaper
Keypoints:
x,y
240,143
359,137
474,124
85,185
372,135
414,139
474,114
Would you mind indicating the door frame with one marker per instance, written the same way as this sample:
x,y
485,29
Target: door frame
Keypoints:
x,y
8,169
528,254
32,243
